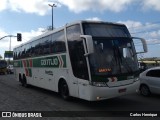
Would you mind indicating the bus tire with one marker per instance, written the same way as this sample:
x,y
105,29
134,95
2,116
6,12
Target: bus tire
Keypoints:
x,y
20,78
64,91
144,90
24,81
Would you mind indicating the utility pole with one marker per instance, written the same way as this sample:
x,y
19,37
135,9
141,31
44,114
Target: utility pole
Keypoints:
x,y
53,5
18,39
10,44
9,41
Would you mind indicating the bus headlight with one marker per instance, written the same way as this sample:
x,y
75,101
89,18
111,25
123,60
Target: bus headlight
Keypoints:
x,y
99,84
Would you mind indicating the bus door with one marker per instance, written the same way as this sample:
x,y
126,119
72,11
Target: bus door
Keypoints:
x,y
79,66
78,60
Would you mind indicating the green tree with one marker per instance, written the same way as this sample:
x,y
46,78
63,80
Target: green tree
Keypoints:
x,y
0,57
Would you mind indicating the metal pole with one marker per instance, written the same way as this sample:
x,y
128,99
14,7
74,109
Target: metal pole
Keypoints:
x,y
52,17
10,44
52,13
7,36
9,49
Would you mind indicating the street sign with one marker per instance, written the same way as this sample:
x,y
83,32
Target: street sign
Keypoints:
x,y
8,54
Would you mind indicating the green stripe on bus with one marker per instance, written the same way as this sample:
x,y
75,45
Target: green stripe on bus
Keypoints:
x,y
17,63
54,61
30,72
50,62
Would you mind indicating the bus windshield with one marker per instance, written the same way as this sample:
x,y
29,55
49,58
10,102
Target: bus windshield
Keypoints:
x,y
113,56
105,30
114,51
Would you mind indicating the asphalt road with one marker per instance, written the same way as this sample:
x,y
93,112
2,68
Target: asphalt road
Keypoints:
x,y
14,97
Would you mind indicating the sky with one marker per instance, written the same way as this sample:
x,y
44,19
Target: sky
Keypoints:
x,y
32,17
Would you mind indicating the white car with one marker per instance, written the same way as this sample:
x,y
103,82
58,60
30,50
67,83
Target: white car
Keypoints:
x,y
150,81
10,69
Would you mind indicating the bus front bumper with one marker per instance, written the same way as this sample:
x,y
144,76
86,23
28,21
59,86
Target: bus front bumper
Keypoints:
x,y
102,93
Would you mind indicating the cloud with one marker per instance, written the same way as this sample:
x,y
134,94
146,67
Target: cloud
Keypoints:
x,y
96,5
30,6
78,6
149,31
31,34
152,4
3,5
94,19
41,7
132,24
155,34
2,33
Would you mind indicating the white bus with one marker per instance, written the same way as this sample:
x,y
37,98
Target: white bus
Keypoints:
x,y
85,59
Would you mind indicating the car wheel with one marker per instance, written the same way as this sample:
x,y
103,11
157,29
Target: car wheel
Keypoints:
x,y
144,90
64,91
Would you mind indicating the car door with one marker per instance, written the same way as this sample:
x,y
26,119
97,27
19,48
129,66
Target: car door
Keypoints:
x,y
153,80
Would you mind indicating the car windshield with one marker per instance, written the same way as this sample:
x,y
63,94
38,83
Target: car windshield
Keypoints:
x,y
113,56
10,66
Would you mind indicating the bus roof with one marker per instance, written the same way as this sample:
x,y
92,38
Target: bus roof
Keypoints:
x,y
67,25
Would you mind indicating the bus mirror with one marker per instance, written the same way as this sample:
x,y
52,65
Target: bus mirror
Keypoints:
x,y
89,44
144,44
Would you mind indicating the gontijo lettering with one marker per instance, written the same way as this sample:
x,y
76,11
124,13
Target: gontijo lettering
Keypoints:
x,y
53,61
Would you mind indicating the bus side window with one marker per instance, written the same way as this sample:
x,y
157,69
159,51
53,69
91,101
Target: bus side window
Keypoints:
x,y
58,42
76,52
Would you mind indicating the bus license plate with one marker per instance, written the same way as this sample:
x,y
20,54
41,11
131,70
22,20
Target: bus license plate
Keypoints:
x,y
122,90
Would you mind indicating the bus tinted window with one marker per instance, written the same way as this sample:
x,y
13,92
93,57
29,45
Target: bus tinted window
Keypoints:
x,y
73,32
44,46
53,43
58,42
76,52
105,30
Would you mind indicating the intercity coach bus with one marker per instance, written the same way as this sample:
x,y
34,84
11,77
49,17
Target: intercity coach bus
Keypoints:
x,y
84,59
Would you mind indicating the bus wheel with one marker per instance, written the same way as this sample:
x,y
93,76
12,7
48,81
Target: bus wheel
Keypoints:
x,y
64,91
144,90
24,81
20,78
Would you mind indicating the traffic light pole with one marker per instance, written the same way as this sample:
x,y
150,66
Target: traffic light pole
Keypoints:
x,y
7,36
10,40
19,38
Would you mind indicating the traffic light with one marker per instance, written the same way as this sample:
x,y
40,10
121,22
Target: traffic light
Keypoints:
x,y
19,37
